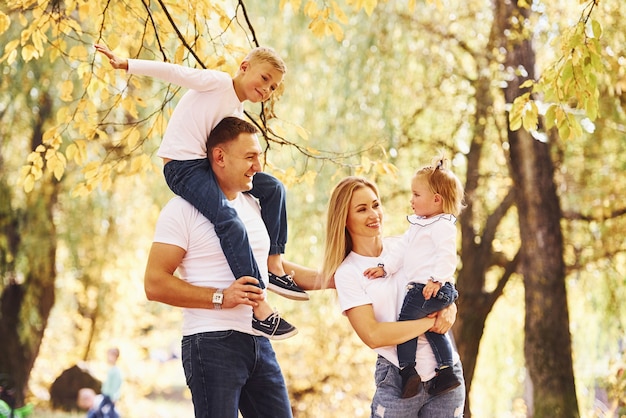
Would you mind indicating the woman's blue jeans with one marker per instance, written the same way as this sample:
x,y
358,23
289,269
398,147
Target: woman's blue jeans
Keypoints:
x,y
388,404
195,182
230,371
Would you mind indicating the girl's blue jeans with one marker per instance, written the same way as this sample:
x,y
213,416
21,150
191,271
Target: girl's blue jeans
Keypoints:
x,y
416,307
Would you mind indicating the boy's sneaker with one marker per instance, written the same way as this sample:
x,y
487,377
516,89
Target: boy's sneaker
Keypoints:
x,y
273,327
285,286
444,382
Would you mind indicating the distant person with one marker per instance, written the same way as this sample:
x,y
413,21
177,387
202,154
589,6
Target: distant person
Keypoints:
x,y
213,95
97,406
112,386
429,259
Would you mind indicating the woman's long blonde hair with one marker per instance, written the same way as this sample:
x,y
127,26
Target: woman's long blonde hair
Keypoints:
x,y
338,242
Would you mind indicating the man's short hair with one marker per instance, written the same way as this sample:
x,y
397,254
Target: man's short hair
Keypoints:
x,y
228,130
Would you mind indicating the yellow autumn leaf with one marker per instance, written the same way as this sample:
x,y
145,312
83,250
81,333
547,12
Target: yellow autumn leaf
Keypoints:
x,y
318,27
29,52
530,117
336,30
71,151
311,10
29,183
302,133
66,88
369,6
312,151
129,105
91,170
341,16
5,22
133,137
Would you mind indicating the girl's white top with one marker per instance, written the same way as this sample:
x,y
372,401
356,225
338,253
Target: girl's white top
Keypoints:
x,y
429,250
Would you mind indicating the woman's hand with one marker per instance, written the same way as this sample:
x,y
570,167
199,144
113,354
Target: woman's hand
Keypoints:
x,y
444,319
116,62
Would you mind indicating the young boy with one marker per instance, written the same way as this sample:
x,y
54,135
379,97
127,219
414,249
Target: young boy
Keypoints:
x,y
212,96
97,406
429,259
112,385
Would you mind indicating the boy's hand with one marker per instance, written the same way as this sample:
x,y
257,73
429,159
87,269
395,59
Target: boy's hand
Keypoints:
x,y
431,289
116,62
374,272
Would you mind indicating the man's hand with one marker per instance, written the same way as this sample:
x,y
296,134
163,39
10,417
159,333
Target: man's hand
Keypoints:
x,y
116,62
444,319
243,292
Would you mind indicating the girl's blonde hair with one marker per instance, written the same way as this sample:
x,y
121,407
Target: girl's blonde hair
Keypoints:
x,y
445,183
266,54
338,242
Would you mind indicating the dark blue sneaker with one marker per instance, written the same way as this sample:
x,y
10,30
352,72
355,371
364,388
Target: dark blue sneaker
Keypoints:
x,y
285,286
273,327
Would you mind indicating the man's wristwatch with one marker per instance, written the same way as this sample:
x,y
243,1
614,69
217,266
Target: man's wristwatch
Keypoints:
x,y
218,298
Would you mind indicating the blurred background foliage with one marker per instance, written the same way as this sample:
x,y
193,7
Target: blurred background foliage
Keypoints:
x,y
378,91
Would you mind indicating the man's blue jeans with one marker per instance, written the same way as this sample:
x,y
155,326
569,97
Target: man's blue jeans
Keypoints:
x,y
416,307
230,371
194,181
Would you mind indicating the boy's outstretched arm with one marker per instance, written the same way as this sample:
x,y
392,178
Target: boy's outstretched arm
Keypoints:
x,y
116,62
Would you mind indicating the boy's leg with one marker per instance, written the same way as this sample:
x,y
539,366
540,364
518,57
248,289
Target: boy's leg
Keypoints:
x,y
272,197
194,181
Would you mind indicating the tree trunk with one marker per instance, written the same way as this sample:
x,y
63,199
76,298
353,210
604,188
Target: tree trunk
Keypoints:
x,y
28,271
547,345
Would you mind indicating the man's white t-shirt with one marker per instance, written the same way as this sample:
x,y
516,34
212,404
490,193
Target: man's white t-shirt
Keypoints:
x,y
204,263
211,97
386,296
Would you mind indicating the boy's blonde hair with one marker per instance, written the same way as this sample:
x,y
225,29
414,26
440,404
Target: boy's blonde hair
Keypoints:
x,y
266,54
445,183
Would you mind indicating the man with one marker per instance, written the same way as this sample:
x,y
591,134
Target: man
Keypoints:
x,y
228,367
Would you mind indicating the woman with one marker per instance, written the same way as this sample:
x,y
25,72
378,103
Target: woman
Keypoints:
x,y
354,242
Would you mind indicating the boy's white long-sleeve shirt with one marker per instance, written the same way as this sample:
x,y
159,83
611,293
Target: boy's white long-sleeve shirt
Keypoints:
x,y
429,250
211,97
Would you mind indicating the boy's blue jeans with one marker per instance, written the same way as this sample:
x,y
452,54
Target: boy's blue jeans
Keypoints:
x,y
228,371
416,307
194,181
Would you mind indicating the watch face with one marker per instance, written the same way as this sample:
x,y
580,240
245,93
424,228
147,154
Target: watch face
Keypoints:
x,y
217,297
